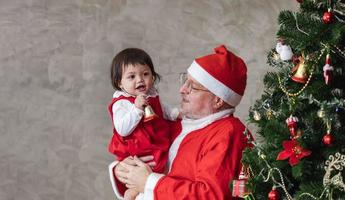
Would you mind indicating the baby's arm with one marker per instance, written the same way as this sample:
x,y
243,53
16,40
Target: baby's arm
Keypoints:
x,y
126,117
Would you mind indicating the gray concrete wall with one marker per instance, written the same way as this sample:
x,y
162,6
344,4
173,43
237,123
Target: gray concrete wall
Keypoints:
x,y
54,78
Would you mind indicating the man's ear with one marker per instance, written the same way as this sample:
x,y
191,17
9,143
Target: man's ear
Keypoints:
x,y
218,102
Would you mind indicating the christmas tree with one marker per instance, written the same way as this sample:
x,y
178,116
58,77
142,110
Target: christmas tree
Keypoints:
x,y
299,152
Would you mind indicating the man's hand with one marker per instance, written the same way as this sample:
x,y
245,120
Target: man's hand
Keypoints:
x,y
121,170
136,175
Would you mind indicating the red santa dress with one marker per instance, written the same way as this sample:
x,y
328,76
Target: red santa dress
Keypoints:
x,y
148,138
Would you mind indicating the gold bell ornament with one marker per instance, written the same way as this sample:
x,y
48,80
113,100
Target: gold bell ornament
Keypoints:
x,y
300,72
149,114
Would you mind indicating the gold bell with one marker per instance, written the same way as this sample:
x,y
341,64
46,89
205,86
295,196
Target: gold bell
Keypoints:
x,y
301,75
149,114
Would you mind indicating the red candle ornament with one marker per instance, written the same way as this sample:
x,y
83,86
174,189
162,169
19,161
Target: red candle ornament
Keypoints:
x,y
291,122
328,71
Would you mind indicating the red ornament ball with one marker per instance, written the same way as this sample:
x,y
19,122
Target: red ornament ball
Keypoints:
x,y
299,1
273,195
327,139
327,17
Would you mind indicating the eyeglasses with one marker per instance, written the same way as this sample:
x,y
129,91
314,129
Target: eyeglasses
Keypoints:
x,y
184,81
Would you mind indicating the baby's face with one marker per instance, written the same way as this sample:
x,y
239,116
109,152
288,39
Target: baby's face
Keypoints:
x,y
136,79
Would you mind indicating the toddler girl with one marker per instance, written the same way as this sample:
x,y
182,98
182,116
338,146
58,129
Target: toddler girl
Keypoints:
x,y
133,77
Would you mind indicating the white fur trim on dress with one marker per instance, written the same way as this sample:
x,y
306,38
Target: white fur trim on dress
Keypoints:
x,y
214,85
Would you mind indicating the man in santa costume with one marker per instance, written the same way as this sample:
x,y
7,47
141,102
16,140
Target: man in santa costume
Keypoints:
x,y
206,152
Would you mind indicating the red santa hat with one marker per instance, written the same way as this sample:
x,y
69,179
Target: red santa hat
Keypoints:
x,y
223,73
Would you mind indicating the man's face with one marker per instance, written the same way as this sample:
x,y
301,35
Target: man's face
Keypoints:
x,y
197,102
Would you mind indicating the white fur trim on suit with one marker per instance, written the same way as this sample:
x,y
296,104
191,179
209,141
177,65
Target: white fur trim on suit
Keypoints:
x,y
150,185
214,85
112,179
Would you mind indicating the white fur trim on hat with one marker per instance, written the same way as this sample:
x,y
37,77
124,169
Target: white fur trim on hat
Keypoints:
x,y
214,85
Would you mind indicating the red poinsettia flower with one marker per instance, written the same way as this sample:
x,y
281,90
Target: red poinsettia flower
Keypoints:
x,y
293,151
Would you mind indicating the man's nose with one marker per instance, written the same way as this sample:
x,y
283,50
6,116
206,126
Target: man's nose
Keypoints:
x,y
184,89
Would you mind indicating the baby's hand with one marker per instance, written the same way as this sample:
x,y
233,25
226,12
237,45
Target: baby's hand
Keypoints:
x,y
140,101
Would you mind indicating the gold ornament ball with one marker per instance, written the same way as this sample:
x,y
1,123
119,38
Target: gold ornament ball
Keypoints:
x,y
256,116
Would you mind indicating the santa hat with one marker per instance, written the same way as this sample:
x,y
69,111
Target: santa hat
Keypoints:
x,y
223,73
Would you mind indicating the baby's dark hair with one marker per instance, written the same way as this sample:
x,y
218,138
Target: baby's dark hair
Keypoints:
x,y
126,57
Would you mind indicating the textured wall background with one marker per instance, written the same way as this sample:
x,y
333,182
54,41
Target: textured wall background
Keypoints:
x,y
54,81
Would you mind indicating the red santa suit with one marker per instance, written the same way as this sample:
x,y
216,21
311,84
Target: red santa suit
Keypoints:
x,y
203,159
